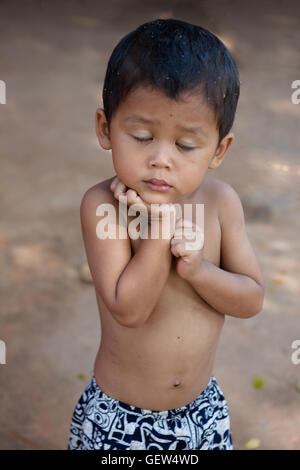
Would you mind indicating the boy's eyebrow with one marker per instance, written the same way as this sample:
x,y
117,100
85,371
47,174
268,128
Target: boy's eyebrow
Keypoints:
x,y
137,118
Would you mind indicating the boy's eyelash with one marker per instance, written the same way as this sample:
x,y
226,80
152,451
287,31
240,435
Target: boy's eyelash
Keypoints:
x,y
141,140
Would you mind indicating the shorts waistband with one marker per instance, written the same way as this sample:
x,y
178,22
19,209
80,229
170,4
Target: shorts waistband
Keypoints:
x,y
160,414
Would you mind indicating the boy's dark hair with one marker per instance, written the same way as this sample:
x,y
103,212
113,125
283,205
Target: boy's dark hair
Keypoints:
x,y
175,57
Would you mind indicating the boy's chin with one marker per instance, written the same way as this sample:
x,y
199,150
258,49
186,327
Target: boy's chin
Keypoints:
x,y
154,199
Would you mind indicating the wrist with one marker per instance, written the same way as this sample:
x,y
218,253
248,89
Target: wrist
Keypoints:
x,y
199,274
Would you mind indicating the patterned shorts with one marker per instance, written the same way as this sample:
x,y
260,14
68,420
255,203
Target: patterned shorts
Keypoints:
x,y
101,422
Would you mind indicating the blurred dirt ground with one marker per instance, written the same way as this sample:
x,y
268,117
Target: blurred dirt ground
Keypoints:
x,y
53,58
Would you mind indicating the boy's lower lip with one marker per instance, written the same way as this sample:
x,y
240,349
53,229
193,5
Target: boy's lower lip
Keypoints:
x,y
158,187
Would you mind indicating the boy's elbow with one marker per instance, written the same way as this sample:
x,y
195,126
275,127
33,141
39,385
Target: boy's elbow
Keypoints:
x,y
122,319
129,320
129,323
257,303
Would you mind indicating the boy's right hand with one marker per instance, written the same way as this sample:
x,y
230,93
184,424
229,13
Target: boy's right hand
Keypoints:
x,y
120,189
153,214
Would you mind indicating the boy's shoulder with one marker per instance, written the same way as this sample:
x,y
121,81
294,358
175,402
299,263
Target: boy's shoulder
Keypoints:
x,y
92,199
223,196
217,189
98,193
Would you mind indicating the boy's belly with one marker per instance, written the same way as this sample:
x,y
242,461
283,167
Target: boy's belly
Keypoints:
x,y
168,361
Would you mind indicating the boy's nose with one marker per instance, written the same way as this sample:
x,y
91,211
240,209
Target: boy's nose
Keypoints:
x,y
160,160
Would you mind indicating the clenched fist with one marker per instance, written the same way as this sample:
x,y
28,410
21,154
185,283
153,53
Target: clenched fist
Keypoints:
x,y
187,245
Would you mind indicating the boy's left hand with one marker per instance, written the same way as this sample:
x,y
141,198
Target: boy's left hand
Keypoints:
x,y
187,245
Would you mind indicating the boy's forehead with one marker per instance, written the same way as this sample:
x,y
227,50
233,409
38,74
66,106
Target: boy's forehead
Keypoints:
x,y
153,103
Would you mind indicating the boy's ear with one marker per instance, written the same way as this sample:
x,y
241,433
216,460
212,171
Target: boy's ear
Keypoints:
x,y
221,150
102,129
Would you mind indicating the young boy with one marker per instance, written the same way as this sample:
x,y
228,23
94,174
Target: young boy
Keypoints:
x,y
170,95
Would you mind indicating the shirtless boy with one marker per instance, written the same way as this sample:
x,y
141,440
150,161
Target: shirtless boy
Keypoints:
x,y
170,95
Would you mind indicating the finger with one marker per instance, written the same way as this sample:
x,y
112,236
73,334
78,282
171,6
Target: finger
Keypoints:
x,y
177,249
114,183
181,252
135,200
140,201
120,190
132,197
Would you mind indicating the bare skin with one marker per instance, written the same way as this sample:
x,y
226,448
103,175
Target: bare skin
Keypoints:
x,y
166,362
160,322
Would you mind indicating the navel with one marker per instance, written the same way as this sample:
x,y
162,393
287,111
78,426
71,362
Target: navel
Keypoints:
x,y
177,383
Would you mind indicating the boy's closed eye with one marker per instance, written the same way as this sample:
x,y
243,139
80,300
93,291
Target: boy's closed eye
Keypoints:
x,y
146,139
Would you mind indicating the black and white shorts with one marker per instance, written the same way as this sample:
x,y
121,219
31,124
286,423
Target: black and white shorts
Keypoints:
x,y
101,422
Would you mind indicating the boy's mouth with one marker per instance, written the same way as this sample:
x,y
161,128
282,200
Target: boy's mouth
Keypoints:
x,y
158,185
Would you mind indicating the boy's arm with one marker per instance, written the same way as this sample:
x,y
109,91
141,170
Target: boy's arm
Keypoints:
x,y
237,287
129,285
